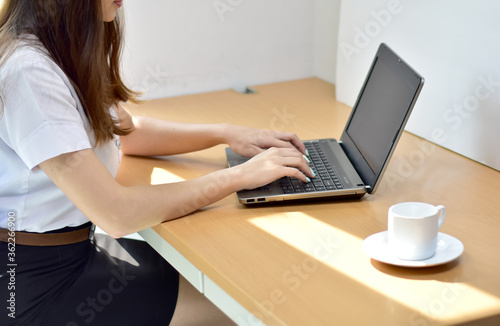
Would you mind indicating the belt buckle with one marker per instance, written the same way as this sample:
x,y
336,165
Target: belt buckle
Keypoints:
x,y
92,231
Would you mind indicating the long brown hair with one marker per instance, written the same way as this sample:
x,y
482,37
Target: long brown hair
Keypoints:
x,y
85,47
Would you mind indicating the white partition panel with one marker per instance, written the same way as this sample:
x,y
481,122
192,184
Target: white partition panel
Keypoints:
x,y
454,44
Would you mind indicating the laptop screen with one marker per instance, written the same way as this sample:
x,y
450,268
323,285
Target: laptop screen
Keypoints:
x,y
380,114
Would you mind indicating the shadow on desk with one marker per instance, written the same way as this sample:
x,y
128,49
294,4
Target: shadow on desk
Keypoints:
x,y
425,273
488,321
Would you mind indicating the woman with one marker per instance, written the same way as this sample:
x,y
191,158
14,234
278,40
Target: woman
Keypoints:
x,y
61,131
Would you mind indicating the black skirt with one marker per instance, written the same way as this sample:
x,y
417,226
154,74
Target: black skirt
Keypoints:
x,y
103,281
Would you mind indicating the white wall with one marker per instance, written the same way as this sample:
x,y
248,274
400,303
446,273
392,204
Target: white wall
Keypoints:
x,y
454,45
326,23
184,47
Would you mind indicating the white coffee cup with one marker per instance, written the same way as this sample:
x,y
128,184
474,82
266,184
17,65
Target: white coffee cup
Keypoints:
x,y
413,229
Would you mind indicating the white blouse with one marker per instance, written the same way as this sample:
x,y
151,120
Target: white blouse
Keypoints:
x,y
41,117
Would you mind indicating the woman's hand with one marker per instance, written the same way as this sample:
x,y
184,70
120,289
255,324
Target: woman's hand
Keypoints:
x,y
273,164
250,141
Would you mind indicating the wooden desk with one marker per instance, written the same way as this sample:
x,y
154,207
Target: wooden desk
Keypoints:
x,y
303,264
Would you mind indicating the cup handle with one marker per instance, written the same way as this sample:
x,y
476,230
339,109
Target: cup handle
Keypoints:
x,y
442,213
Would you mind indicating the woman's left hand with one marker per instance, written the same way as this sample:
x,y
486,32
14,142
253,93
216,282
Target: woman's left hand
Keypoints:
x,y
250,141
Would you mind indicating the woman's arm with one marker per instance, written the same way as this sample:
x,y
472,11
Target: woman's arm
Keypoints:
x,y
155,137
121,210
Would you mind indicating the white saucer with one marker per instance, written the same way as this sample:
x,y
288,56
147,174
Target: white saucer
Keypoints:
x,y
448,249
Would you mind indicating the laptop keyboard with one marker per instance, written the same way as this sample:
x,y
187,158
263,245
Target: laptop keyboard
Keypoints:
x,y
326,177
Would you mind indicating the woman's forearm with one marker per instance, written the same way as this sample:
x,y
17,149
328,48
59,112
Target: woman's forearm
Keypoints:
x,y
146,206
155,137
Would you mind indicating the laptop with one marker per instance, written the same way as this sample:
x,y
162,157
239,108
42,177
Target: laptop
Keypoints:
x,y
354,165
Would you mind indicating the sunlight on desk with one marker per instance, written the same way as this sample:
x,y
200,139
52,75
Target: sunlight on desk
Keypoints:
x,y
159,176
341,251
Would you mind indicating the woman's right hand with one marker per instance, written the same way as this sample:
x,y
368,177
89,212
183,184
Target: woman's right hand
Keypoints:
x,y
274,164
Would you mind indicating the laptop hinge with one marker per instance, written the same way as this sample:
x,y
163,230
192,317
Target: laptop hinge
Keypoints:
x,y
368,187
